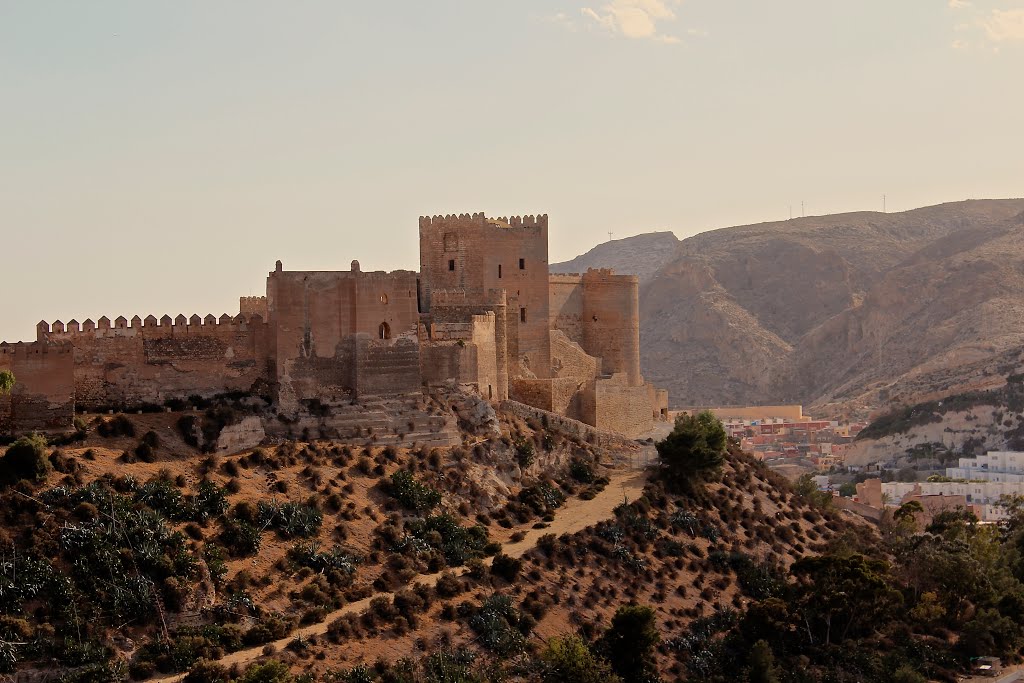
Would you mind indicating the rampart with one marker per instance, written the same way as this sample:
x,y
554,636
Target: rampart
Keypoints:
x,y
570,426
337,333
150,360
487,341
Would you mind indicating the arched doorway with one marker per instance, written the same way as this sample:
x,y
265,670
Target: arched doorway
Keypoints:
x,y
384,331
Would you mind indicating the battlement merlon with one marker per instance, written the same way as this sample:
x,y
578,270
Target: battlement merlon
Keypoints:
x,y
479,220
26,349
609,275
249,305
57,329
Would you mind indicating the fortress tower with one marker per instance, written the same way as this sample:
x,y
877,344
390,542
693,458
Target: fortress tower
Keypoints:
x,y
482,256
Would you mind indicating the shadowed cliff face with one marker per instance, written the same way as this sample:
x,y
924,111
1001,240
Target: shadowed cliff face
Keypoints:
x,y
843,313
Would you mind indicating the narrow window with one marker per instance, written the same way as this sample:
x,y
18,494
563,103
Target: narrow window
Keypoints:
x,y
451,264
522,264
383,298
522,315
499,270
385,331
490,391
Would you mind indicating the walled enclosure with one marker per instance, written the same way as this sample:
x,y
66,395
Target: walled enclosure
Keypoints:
x,y
483,314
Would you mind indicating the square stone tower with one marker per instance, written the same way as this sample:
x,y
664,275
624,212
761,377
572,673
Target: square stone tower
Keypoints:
x,y
482,256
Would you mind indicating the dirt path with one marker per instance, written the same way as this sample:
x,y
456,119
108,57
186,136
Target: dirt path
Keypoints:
x,y
574,516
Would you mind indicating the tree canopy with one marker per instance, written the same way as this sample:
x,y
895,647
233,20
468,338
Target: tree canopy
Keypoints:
x,y
693,452
6,381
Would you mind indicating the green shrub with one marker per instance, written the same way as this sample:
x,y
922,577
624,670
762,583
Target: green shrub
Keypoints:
x,y
290,520
524,451
27,459
496,623
269,672
205,671
308,555
240,537
412,494
569,659
506,567
119,425
582,471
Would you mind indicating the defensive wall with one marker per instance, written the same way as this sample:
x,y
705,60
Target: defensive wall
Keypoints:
x,y
464,353
567,425
468,339
146,360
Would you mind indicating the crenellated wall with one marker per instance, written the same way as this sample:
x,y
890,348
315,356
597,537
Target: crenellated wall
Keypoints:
x,y
44,392
150,360
253,305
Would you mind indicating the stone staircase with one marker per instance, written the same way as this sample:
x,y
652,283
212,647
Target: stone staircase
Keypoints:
x,y
401,421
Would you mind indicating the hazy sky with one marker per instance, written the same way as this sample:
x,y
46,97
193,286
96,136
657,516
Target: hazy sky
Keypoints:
x,y
158,157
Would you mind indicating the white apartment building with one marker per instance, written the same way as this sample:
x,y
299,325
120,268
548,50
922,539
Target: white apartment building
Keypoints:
x,y
983,481
999,466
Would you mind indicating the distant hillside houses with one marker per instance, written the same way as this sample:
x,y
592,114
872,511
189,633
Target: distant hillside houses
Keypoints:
x,y
982,484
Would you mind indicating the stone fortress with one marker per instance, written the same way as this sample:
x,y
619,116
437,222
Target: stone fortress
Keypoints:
x,y
483,314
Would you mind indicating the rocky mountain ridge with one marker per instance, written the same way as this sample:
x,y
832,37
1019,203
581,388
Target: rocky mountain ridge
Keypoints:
x,y
843,313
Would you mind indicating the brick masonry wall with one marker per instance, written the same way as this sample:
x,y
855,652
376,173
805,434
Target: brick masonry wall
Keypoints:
x,y
316,317
569,426
611,322
566,307
622,408
387,367
569,360
149,363
43,394
534,392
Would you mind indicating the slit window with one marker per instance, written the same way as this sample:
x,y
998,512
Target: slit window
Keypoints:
x,y
522,315
522,264
499,270
451,264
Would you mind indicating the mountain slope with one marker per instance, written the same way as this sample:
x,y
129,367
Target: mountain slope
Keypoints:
x,y
641,255
840,312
